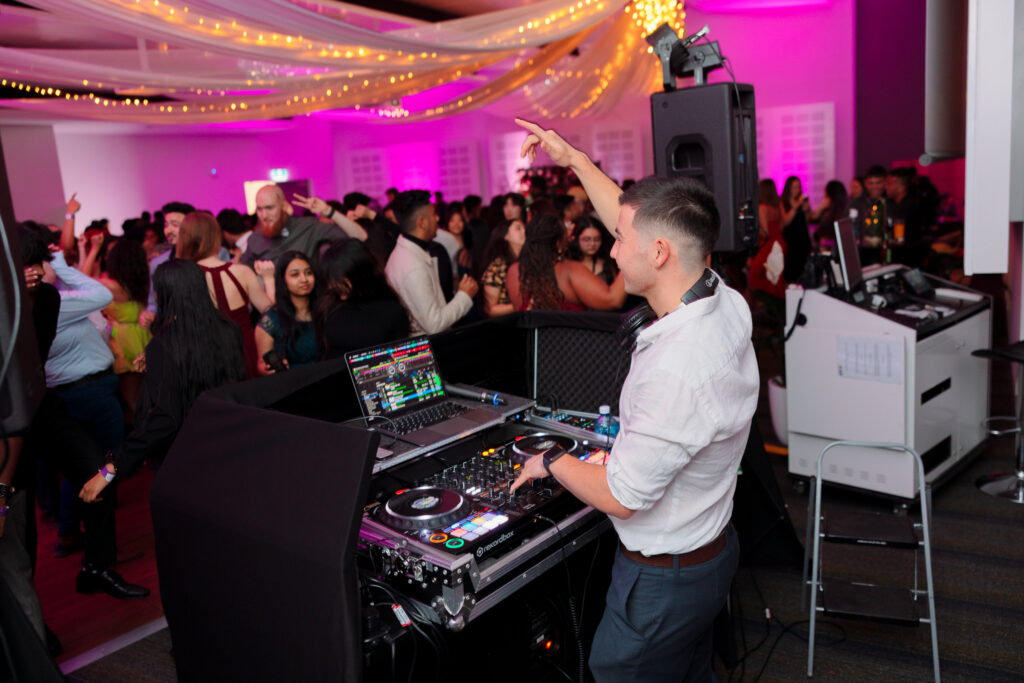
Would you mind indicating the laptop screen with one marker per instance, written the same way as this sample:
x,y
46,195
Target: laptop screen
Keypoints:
x,y
395,376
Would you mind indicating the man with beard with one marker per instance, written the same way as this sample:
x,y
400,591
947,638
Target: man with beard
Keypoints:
x,y
279,231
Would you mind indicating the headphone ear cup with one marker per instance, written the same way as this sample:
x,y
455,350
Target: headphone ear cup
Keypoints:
x,y
632,323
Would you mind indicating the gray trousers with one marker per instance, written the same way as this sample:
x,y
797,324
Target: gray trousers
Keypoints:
x,y
15,563
657,621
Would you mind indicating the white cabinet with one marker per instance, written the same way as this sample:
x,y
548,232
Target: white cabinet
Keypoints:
x,y
853,372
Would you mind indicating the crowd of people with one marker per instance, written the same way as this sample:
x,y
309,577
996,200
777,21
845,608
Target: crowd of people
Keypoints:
x,y
134,327
893,214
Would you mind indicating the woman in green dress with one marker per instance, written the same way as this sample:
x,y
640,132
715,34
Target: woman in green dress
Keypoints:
x,y
127,278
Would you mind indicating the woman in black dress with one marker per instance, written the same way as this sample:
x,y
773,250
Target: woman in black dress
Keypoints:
x,y
795,231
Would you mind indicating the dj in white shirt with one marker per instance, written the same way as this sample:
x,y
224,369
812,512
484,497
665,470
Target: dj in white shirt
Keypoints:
x,y
685,410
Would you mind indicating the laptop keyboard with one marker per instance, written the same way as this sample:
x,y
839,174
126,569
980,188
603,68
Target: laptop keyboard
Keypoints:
x,y
426,417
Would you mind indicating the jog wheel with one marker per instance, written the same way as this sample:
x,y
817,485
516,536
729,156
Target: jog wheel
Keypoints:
x,y
426,507
529,446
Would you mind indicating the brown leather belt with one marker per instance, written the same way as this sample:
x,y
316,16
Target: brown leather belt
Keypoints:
x,y
702,554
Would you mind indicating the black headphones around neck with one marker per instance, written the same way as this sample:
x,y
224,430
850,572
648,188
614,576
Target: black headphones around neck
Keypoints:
x,y
640,317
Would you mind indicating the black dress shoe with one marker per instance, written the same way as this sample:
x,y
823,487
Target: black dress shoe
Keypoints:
x,y
93,579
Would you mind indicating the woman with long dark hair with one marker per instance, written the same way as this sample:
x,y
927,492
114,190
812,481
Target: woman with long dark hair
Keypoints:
x,y
833,207
127,278
543,279
358,307
232,285
287,328
194,348
503,249
591,245
795,212
457,241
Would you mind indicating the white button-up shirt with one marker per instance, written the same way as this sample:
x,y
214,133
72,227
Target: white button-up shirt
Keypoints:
x,y
685,412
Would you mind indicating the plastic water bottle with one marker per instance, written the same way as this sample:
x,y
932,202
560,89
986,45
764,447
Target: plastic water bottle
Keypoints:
x,y
607,426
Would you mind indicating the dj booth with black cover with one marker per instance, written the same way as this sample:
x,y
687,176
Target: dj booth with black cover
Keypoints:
x,y
258,505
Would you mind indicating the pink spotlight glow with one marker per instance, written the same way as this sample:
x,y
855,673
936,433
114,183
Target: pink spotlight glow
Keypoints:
x,y
711,6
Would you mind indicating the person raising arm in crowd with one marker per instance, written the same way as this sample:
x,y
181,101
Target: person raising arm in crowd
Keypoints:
x,y
280,231
685,410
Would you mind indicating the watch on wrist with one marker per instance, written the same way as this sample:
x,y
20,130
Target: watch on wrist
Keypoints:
x,y
550,455
329,213
6,490
69,216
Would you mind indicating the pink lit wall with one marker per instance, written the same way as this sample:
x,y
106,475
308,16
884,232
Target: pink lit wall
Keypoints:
x,y
412,151
120,172
794,53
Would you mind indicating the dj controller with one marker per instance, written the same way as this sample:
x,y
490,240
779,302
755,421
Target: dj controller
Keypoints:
x,y
447,530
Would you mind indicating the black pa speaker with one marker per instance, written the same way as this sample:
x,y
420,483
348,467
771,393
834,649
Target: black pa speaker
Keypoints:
x,y
707,132
22,389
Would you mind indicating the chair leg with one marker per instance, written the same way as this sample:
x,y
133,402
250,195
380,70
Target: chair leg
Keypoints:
x,y
1006,485
814,579
926,513
812,484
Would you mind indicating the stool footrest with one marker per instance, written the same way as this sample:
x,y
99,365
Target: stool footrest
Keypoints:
x,y
1014,429
866,601
866,528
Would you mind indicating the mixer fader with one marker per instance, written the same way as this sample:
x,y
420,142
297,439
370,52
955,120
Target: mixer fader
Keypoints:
x,y
468,506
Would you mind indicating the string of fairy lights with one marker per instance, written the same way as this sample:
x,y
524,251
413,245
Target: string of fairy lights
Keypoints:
x,y
288,74
645,15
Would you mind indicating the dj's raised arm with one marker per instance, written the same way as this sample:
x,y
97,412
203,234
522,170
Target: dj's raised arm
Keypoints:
x,y
602,190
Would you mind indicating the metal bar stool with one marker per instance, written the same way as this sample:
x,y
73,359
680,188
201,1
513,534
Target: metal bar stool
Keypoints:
x,y
855,600
1008,485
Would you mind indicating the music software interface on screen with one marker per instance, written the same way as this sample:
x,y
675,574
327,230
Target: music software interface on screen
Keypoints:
x,y
394,377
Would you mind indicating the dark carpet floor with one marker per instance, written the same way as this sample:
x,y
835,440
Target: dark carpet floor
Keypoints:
x,y
978,564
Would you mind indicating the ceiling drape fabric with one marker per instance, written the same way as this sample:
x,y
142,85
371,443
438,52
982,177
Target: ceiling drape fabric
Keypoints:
x,y
220,60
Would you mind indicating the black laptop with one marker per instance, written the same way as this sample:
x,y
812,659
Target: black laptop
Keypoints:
x,y
401,381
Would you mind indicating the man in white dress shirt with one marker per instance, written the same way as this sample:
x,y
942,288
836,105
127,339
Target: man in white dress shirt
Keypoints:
x,y
685,413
